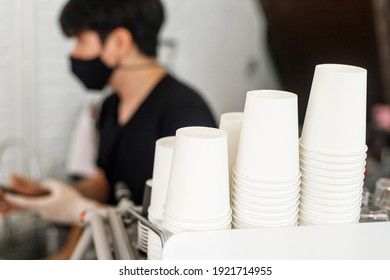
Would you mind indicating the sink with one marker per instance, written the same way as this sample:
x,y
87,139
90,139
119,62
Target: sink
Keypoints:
x,y
24,236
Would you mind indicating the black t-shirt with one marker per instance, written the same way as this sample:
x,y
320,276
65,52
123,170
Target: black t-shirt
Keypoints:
x,y
126,153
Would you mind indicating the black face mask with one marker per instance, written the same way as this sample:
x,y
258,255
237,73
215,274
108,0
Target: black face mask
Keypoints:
x,y
93,73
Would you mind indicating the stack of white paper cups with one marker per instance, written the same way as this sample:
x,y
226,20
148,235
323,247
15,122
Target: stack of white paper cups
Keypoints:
x,y
266,176
332,146
231,124
198,195
161,171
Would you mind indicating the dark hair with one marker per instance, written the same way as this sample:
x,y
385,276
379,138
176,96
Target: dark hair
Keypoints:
x,y
143,18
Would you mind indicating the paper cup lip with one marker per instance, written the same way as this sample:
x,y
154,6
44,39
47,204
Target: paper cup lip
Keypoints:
x,y
261,222
176,229
213,219
267,207
315,216
332,181
272,94
330,202
332,195
177,224
264,188
266,214
331,187
266,193
340,68
238,174
234,117
329,210
330,156
332,167
336,175
201,132
329,152
270,213
289,200
166,142
328,164
254,222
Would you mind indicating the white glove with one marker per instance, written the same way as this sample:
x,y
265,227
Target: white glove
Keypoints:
x,y
63,204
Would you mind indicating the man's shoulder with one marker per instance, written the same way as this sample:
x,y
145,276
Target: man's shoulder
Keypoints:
x,y
178,92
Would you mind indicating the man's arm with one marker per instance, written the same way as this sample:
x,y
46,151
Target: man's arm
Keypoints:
x,y
96,187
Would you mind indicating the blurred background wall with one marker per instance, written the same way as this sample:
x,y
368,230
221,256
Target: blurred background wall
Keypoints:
x,y
219,47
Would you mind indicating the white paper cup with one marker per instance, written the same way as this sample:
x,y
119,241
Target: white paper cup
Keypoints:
x,y
231,124
161,173
199,180
335,120
306,177
268,147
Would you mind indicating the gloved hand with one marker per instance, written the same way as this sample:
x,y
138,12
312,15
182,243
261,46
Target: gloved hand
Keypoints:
x,y
63,204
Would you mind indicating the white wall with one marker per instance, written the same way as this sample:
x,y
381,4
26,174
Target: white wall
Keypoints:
x,y
220,49
39,99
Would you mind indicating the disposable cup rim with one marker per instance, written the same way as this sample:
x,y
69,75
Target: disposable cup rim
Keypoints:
x,y
170,213
332,157
329,202
233,117
329,152
335,182
294,202
272,94
269,201
266,193
326,210
201,133
307,165
329,162
309,217
172,224
330,194
336,67
271,186
237,173
267,222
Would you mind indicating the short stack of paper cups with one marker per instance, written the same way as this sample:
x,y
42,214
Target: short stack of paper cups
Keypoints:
x,y
332,146
231,124
198,197
161,171
266,177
